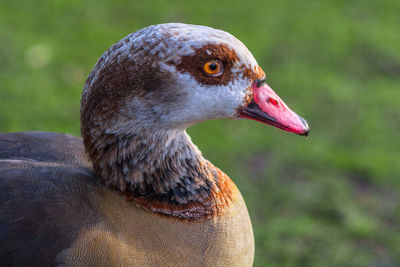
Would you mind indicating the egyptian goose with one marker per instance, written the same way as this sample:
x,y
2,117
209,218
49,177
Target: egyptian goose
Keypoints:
x,y
136,191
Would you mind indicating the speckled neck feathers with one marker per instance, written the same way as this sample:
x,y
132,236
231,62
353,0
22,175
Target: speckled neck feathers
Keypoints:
x,y
162,172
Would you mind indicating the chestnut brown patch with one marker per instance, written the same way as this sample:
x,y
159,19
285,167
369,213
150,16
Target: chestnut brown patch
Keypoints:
x,y
194,64
206,205
253,74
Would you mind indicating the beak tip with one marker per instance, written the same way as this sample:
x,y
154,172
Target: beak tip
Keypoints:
x,y
305,133
306,130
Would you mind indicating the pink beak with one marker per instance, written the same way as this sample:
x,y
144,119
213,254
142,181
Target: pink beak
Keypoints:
x,y
267,107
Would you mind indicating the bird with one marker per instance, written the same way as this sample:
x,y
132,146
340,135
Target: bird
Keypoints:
x,y
134,190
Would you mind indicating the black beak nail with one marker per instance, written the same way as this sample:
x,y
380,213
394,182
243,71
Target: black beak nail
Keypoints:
x,y
305,124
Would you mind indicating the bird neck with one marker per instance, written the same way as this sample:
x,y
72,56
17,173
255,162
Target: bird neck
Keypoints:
x,y
163,172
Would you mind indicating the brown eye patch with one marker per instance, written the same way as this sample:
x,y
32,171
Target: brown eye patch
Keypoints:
x,y
194,64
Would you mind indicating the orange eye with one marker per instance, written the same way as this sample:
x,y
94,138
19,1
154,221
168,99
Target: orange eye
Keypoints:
x,y
213,68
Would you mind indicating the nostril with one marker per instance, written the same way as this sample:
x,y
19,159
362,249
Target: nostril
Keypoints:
x,y
273,101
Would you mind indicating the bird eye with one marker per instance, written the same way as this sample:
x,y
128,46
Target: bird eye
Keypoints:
x,y
213,68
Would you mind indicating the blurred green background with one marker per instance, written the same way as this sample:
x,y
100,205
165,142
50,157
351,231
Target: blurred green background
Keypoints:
x,y
329,200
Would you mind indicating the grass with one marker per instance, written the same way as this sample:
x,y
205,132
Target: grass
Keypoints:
x,y
329,200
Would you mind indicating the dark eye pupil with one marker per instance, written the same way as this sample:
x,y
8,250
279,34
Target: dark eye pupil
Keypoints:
x,y
213,66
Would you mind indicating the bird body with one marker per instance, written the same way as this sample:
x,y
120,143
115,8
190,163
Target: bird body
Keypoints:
x,y
135,191
51,198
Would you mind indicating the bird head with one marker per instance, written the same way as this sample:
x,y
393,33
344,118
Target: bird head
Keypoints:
x,y
170,76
